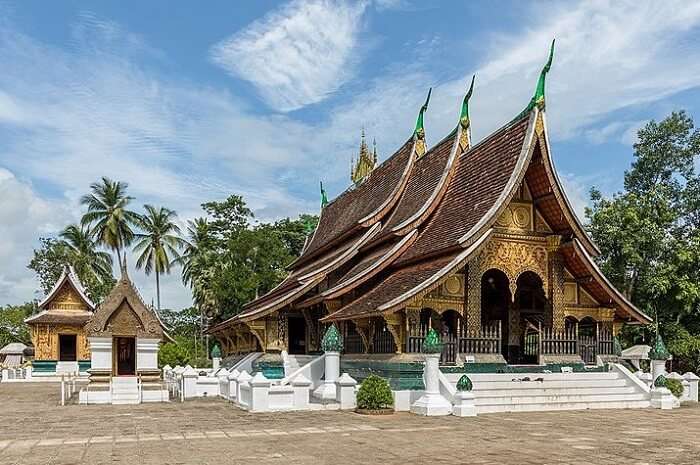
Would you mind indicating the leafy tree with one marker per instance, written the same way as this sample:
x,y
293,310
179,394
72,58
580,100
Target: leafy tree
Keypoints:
x,y
175,353
108,214
649,234
53,254
158,244
12,326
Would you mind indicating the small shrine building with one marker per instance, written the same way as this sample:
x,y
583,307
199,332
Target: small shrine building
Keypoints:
x,y
57,330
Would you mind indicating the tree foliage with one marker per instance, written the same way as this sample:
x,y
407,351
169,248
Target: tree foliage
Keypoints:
x,y
12,326
229,260
649,233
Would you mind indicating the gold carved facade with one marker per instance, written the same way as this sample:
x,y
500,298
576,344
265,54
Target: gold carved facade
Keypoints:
x,y
67,299
45,340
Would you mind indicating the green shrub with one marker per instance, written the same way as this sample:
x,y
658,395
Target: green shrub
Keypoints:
x,y
675,386
374,394
173,354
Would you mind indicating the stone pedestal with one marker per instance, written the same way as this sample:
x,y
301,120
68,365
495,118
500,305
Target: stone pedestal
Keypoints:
x,y
464,404
658,367
327,390
302,389
432,403
260,393
662,398
189,382
216,363
345,388
692,380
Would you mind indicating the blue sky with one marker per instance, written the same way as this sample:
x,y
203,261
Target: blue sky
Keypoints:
x,y
191,102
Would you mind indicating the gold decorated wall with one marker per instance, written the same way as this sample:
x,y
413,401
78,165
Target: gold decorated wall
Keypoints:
x,y
45,340
65,304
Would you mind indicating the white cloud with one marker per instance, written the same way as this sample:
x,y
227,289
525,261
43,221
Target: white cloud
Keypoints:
x,y
25,217
298,54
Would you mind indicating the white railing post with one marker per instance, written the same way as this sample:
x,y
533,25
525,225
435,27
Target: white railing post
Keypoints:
x,y
63,390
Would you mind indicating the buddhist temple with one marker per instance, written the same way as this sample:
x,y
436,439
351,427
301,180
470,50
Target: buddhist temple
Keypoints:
x,y
57,330
124,336
477,241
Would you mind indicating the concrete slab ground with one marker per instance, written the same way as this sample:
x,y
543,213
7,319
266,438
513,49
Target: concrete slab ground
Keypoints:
x,y
35,429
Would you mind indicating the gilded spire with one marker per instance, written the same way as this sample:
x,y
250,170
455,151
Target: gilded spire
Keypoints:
x,y
374,152
324,197
419,133
365,162
464,122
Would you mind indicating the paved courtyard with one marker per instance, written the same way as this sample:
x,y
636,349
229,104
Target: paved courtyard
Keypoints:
x,y
35,429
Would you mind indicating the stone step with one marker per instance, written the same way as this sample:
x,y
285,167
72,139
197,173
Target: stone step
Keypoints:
x,y
493,393
510,385
560,399
535,407
502,377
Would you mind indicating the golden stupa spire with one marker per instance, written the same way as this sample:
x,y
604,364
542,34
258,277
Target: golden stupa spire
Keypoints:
x,y
365,161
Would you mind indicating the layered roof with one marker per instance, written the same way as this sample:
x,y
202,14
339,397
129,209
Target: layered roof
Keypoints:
x,y
421,215
69,277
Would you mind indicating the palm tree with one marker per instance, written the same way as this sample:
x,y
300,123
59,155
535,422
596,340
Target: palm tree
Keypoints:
x,y
108,215
194,249
158,244
83,253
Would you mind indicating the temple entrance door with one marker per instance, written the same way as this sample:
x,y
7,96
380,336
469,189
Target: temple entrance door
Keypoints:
x,y
125,356
530,304
495,303
67,348
297,335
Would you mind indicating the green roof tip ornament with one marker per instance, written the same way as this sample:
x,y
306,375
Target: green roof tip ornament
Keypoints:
x,y
617,347
464,384
432,344
660,381
215,351
419,132
324,197
538,99
659,351
465,136
332,341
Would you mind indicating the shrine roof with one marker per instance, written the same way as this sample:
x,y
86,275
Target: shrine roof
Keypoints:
x,y
67,317
68,275
426,181
481,177
583,267
362,205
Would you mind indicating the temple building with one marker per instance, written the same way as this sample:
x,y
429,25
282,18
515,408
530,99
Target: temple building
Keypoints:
x,y
477,241
57,330
124,337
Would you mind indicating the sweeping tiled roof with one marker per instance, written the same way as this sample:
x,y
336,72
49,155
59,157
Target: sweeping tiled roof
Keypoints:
x,y
68,275
480,178
362,204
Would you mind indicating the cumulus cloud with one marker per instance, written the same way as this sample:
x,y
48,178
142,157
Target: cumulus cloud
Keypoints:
x,y
298,54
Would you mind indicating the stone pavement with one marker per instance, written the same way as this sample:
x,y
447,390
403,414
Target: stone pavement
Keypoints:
x,y
34,429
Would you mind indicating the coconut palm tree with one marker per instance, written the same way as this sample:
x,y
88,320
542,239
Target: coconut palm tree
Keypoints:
x,y
158,244
83,253
195,247
108,216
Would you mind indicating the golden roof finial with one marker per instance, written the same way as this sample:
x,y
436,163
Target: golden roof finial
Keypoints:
x,y
365,161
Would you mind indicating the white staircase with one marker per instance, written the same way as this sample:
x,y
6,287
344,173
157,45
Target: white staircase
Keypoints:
x,y
294,362
528,392
125,390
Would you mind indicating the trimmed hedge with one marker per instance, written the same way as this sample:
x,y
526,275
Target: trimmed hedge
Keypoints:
x,y
374,394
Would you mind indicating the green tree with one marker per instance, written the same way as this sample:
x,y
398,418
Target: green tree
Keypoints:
x,y
108,215
12,326
159,243
649,234
53,254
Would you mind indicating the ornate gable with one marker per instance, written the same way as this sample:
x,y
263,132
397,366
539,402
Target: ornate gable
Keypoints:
x,y
123,313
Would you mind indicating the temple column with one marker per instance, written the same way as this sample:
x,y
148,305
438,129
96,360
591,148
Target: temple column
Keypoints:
x,y
395,325
473,296
556,279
